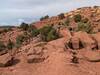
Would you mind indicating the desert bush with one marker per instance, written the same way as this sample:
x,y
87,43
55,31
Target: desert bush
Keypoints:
x,y
77,18
85,20
20,39
67,21
33,31
85,27
48,33
52,35
24,26
61,16
31,27
10,45
2,46
43,18
44,31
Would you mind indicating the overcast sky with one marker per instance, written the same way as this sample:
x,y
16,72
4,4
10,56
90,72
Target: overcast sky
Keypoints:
x,y
12,12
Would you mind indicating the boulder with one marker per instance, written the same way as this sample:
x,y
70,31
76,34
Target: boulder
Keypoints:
x,y
75,42
35,59
59,43
35,50
35,55
5,60
64,32
85,39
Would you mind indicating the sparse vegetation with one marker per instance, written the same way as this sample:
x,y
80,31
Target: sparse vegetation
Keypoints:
x,y
61,16
24,26
67,21
10,45
52,35
20,39
77,18
48,33
43,18
84,27
29,31
33,31
85,20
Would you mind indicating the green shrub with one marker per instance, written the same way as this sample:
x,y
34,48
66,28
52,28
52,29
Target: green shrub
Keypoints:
x,y
85,20
85,27
52,35
48,33
24,26
44,32
31,27
43,18
67,21
2,46
77,18
33,31
10,45
20,39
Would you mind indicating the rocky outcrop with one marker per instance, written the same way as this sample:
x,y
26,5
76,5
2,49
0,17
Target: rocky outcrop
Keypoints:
x,y
86,40
36,53
96,37
3,52
75,42
64,32
92,56
5,60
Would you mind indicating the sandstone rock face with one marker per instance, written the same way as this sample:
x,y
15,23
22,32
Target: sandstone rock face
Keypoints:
x,y
3,52
64,32
36,51
75,42
59,43
85,39
41,51
35,59
92,56
97,39
4,60
11,35
36,54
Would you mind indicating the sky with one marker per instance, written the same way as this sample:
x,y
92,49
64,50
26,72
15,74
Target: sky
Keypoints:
x,y
13,12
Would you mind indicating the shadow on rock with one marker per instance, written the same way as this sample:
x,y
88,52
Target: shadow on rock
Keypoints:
x,y
36,60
